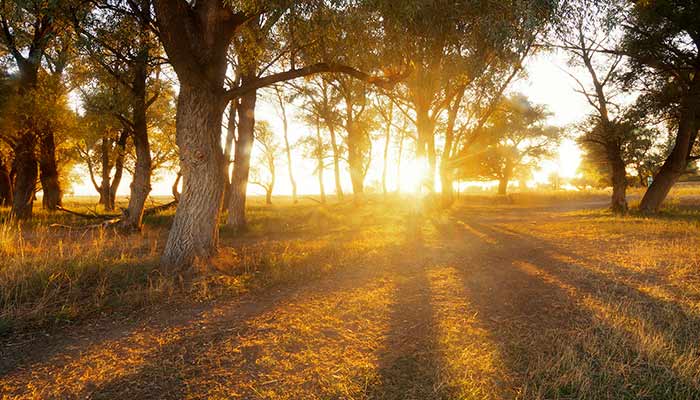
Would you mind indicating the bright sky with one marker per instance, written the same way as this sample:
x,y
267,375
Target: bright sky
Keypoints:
x,y
546,84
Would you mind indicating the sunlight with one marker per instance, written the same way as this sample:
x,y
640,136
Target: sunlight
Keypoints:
x,y
413,174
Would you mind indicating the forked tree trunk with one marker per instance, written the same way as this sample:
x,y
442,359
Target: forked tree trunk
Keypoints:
x,y
677,161
26,166
446,174
141,184
618,175
241,162
48,176
194,233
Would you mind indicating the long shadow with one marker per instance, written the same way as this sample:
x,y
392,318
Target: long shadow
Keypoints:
x,y
61,350
178,369
511,298
408,365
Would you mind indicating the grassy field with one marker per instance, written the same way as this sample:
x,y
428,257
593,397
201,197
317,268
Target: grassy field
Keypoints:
x,y
534,296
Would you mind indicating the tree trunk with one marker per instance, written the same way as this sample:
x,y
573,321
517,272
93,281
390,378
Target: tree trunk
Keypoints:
x,y
319,155
228,146
425,150
398,163
241,163
502,185
5,185
446,170
194,233
141,184
106,198
677,161
118,166
26,165
355,161
288,150
387,140
48,168
336,163
618,176
174,189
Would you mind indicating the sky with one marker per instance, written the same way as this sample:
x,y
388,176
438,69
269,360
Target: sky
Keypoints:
x,y
545,83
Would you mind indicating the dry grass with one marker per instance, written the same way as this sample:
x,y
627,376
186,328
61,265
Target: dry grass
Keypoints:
x,y
531,297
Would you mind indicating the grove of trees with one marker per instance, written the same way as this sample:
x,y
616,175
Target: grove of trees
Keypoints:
x,y
137,86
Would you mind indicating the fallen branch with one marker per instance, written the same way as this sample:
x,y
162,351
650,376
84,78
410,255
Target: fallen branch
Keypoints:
x,y
312,199
162,207
108,220
88,216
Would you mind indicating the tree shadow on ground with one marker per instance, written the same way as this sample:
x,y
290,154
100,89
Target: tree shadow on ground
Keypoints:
x,y
552,319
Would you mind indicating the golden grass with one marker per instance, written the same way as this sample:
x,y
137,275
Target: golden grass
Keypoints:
x,y
537,297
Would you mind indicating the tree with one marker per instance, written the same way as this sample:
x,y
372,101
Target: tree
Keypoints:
x,y
322,100
515,140
662,41
196,37
28,28
281,101
386,110
594,28
264,172
119,37
454,46
103,143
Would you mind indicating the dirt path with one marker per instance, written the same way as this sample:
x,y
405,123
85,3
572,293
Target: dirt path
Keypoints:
x,y
465,307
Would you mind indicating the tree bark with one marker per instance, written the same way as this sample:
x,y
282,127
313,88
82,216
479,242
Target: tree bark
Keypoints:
x,y
195,230
676,163
241,163
48,176
196,39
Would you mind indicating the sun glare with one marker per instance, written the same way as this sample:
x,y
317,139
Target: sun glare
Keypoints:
x,y
413,174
